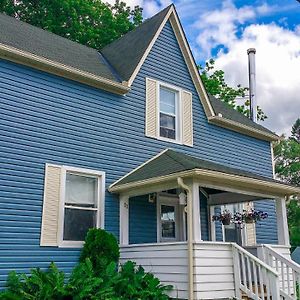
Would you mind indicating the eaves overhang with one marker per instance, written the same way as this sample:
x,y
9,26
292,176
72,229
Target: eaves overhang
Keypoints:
x,y
244,129
49,66
209,178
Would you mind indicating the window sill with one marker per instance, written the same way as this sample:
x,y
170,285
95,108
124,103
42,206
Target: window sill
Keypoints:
x,y
71,244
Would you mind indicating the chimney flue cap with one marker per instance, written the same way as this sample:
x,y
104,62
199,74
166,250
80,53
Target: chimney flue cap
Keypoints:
x,y
251,50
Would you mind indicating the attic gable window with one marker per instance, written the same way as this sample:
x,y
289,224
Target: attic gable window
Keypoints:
x,y
168,114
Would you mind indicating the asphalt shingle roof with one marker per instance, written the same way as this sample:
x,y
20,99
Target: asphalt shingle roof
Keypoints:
x,y
34,40
227,112
171,162
116,61
125,53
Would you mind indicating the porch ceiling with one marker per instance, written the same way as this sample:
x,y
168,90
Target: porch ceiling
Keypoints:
x,y
168,165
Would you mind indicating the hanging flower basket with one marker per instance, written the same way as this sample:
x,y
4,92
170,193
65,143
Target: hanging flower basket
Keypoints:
x,y
225,217
249,216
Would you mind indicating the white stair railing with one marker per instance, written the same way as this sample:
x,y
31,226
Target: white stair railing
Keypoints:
x,y
288,270
253,278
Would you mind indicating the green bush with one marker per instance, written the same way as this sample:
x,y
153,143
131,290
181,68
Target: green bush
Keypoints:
x,y
38,286
134,283
101,248
96,277
85,284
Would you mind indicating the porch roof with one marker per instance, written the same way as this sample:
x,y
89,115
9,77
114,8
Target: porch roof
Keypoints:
x,y
170,164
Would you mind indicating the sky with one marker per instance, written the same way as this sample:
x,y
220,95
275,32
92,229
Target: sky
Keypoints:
x,y
224,30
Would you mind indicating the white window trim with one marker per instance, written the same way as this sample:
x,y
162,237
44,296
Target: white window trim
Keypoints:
x,y
178,110
100,203
172,201
243,229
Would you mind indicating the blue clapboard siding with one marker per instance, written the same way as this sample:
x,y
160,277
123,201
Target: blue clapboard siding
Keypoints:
x,y
45,118
204,218
142,220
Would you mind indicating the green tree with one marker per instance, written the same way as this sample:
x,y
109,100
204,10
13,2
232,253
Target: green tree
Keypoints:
x,y
215,85
89,22
287,168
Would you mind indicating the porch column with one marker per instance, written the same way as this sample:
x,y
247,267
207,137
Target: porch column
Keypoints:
x,y
212,225
196,212
124,220
282,225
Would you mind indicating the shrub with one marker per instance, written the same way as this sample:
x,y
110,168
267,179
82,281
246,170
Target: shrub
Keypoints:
x,y
85,284
39,285
101,248
134,283
96,277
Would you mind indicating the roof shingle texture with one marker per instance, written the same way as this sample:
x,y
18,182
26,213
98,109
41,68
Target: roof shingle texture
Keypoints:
x,y
45,44
117,61
171,162
229,113
125,53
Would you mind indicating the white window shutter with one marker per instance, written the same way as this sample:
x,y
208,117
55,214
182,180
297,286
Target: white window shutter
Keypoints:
x,y
187,118
151,108
52,189
250,231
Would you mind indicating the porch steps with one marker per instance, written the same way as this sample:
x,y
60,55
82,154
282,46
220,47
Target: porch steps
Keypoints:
x,y
259,295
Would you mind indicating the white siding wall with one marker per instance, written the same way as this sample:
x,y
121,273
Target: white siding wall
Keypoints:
x,y
213,267
214,277
168,261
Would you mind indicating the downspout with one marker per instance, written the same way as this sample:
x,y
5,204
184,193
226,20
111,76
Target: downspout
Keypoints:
x,y
190,237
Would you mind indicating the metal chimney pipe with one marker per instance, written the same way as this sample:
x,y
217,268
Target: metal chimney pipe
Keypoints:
x,y
252,84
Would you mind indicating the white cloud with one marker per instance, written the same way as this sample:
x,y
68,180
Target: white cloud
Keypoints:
x,y
277,60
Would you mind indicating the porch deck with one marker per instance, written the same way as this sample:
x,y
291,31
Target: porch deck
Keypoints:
x,y
220,270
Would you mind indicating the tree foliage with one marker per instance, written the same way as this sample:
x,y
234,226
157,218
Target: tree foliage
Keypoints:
x,y
214,82
89,22
287,157
287,168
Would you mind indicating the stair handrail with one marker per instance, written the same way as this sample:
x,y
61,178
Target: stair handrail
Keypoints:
x,y
289,281
257,260
293,265
252,276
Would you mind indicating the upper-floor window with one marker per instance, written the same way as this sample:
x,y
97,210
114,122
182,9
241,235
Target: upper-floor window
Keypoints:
x,y
168,113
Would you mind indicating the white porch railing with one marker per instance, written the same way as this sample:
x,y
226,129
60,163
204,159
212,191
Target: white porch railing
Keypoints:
x,y
289,273
253,278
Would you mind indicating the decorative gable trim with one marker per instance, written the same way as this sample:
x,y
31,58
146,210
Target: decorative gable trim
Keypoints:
x,y
190,62
187,54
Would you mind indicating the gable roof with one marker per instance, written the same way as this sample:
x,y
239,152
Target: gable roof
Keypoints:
x,y
125,53
43,43
30,45
174,163
116,66
223,110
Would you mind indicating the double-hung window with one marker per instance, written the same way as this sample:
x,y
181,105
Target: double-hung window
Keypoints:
x,y
73,203
168,113
80,205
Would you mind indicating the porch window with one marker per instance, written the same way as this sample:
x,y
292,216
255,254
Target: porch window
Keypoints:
x,y
168,223
168,113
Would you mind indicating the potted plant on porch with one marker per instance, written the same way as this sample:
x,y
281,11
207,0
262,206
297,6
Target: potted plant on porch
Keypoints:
x,y
225,217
